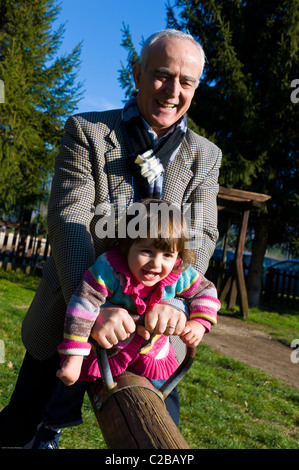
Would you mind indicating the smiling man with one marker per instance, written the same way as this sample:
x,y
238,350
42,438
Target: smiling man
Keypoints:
x,y
167,81
143,150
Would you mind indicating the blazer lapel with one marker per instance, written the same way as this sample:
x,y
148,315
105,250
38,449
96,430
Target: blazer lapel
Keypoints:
x,y
178,175
120,178
118,168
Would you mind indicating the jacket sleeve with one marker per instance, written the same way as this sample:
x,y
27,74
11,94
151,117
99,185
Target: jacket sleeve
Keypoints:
x,y
203,214
201,295
71,208
98,284
191,182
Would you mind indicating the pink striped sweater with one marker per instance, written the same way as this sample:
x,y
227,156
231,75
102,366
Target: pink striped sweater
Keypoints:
x,y
110,279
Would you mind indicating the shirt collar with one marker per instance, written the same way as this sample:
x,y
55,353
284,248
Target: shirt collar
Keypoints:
x,y
182,123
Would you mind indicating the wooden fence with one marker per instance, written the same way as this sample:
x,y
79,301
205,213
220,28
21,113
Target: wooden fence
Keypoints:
x,y
278,286
281,285
27,252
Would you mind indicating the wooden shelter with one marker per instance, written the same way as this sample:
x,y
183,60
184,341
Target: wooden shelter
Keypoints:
x,y
237,202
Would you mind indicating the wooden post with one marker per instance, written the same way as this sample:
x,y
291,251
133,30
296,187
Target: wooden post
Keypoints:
x,y
235,283
236,201
239,266
130,411
134,417
221,273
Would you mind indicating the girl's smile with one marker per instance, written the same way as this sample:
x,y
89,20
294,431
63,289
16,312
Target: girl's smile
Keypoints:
x,y
148,264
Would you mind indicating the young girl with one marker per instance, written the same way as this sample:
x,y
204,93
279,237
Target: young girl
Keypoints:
x,y
136,273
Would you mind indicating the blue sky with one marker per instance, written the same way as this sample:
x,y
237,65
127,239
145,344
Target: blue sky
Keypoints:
x,y
98,24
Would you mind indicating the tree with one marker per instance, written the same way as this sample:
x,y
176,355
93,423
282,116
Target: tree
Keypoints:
x,y
244,104
40,91
125,73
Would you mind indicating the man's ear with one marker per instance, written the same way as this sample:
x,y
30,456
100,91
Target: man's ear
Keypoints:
x,y
137,74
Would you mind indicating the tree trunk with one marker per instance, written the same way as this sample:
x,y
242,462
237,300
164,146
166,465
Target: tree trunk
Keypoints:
x,y
255,274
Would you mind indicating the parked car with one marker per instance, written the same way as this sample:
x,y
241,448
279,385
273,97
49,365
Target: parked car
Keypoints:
x,y
267,261
287,265
218,253
284,277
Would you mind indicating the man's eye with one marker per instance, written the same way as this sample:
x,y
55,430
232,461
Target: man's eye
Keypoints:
x,y
162,78
187,84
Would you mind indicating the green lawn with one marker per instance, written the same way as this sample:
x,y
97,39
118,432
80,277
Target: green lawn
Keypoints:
x,y
225,405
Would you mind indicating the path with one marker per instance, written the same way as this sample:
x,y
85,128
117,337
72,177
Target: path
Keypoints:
x,y
253,347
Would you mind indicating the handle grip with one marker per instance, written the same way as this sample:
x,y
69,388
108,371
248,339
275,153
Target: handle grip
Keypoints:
x,y
166,388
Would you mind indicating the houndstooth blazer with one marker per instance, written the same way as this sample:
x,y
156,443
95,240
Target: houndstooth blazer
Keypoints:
x,y
92,169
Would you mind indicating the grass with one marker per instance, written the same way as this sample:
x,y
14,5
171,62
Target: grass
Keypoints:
x,y
228,405
224,404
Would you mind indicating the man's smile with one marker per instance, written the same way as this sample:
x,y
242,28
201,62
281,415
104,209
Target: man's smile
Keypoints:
x,y
166,105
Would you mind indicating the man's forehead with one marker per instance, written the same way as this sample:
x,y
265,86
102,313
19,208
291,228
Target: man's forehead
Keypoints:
x,y
166,43
166,52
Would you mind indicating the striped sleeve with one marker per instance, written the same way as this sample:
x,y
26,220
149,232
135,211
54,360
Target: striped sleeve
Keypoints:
x,y
201,295
83,309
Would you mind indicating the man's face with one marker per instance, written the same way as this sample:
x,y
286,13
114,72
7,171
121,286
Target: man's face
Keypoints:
x,y
167,85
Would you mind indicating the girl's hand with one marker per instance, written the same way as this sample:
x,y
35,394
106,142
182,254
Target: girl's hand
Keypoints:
x,y
113,324
70,370
193,333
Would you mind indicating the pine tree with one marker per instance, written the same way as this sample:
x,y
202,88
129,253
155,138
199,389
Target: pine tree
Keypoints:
x,y
125,73
40,92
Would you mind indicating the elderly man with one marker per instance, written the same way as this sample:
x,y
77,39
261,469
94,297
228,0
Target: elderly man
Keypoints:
x,y
143,150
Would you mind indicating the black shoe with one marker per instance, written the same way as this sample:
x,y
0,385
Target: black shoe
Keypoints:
x,y
46,438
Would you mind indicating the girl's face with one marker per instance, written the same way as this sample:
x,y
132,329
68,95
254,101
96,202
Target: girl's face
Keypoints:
x,y
148,264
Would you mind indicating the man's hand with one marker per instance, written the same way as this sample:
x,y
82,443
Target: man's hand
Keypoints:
x,y
113,324
162,319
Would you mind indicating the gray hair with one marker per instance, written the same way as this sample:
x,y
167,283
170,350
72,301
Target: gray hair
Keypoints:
x,y
172,33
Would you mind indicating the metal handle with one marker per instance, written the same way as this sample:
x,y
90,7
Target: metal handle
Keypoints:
x,y
179,373
104,367
166,388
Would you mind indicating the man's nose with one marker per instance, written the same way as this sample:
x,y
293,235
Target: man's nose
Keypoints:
x,y
173,88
